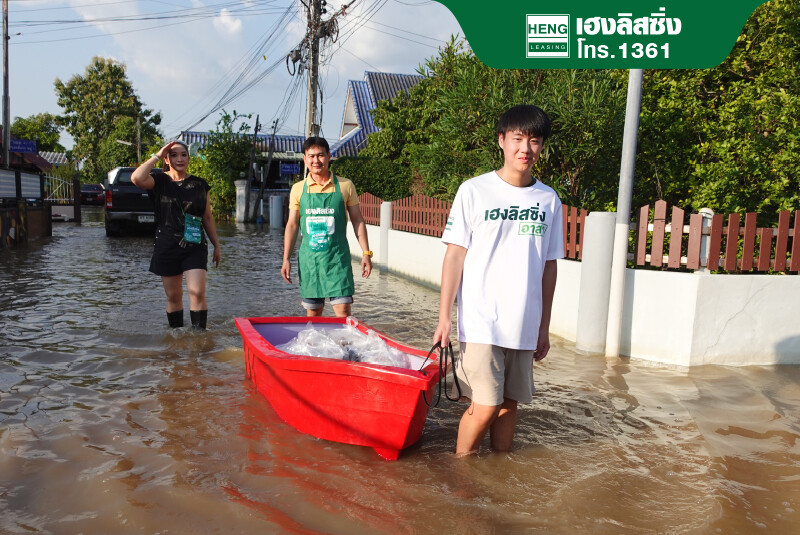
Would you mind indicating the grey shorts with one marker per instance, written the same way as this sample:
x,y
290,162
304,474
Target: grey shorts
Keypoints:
x,y
489,373
313,303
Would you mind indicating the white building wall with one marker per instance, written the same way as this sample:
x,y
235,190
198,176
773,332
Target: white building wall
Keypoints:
x,y
416,257
747,319
564,315
374,237
658,316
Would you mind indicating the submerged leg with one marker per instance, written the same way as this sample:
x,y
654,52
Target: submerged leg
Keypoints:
x,y
474,423
502,429
199,318
175,318
173,288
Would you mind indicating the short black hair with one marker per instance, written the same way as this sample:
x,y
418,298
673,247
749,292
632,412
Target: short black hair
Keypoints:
x,y
316,141
529,119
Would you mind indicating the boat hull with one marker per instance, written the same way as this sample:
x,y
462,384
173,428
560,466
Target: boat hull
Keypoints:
x,y
382,407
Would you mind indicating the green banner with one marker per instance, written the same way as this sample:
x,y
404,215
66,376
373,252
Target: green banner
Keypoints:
x,y
584,34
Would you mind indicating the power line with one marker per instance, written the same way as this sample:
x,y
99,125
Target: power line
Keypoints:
x,y
168,18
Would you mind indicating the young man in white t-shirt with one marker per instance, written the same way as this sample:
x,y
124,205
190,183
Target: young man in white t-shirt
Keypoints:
x,y
503,237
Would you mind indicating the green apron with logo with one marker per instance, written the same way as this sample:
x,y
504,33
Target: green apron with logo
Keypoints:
x,y
324,256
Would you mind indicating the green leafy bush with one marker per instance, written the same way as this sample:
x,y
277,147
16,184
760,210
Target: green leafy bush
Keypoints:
x,y
379,176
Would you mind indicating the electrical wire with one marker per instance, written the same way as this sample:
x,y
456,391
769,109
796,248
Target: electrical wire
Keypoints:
x,y
246,79
163,19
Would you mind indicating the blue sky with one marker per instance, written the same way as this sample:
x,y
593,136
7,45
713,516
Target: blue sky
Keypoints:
x,y
184,56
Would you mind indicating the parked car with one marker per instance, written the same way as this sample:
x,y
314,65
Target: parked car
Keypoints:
x,y
127,208
92,194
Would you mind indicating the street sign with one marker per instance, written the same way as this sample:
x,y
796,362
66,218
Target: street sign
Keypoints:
x,y
27,146
290,168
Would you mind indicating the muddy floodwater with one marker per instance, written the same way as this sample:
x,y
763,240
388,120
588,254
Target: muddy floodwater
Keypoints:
x,y
110,423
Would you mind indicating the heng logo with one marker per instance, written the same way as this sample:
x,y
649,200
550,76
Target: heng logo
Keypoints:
x,y
547,36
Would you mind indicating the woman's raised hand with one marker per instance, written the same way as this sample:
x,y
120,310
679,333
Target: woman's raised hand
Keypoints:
x,y
163,152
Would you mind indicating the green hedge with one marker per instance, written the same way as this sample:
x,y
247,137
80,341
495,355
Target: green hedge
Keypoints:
x,y
378,176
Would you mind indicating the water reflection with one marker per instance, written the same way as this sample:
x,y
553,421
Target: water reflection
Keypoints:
x,y
112,423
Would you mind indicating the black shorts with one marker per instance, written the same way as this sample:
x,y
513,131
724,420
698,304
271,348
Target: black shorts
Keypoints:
x,y
169,261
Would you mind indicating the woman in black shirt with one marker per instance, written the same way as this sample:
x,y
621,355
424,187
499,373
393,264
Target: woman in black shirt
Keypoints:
x,y
183,210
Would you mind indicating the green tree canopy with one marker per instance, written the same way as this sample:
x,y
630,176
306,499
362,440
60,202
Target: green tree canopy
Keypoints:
x,y
98,104
113,153
727,137
443,130
378,176
224,156
42,127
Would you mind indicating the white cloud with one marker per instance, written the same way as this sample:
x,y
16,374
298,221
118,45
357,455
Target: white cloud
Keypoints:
x,y
183,67
226,23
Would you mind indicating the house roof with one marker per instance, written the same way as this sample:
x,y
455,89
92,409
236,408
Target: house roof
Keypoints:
x,y
23,158
282,143
385,86
362,98
55,158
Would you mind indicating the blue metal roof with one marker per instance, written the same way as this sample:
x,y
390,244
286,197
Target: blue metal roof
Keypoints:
x,y
282,143
385,86
55,158
365,96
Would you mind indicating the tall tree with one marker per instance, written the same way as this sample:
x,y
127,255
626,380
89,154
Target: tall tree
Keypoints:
x,y
728,137
443,131
112,152
42,127
223,159
93,105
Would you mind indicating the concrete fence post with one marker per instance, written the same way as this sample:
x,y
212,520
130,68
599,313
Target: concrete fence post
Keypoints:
x,y
276,211
593,296
241,200
705,239
383,243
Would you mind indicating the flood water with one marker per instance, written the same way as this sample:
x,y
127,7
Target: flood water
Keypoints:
x,y
112,423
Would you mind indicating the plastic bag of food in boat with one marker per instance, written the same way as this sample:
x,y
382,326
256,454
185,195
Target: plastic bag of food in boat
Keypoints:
x,y
346,343
375,351
368,347
314,343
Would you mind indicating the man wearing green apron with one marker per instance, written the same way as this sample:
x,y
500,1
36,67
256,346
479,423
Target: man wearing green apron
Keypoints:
x,y
319,206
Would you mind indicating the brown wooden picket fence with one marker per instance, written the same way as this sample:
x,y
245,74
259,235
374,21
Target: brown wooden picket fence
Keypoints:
x,y
658,242
425,215
420,214
370,208
574,223
746,248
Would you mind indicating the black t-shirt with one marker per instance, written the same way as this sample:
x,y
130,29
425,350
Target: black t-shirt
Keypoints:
x,y
169,197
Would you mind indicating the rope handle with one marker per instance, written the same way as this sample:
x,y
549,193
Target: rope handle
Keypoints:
x,y
442,383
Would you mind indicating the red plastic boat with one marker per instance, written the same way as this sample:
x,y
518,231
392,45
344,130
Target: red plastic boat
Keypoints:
x,y
351,402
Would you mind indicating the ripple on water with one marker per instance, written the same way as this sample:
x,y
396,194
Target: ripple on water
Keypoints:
x,y
112,423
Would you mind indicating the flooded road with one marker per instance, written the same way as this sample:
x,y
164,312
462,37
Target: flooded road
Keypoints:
x,y
112,423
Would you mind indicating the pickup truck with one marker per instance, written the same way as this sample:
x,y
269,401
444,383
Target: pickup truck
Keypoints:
x,y
127,208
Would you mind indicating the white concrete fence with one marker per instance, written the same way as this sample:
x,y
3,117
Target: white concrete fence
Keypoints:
x,y
681,319
270,209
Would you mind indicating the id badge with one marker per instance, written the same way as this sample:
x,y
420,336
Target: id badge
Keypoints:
x,y
192,229
319,230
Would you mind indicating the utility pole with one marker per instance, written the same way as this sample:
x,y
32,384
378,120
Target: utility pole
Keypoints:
x,y
307,54
314,15
250,173
138,139
6,97
619,255
269,163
